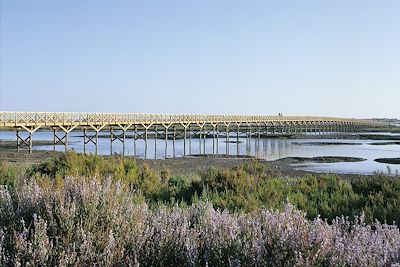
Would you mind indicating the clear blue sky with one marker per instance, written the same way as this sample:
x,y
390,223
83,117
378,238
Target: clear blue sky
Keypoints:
x,y
334,58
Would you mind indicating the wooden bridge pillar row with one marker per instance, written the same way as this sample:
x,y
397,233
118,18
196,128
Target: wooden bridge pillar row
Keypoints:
x,y
265,127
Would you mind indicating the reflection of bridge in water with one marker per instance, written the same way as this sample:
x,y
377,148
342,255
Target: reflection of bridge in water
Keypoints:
x,y
123,126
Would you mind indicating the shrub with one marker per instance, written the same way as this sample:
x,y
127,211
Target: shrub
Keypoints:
x,y
97,222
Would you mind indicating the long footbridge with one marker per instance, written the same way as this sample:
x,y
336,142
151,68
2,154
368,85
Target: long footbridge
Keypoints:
x,y
167,127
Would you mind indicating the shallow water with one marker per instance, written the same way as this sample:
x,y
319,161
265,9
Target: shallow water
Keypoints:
x,y
265,148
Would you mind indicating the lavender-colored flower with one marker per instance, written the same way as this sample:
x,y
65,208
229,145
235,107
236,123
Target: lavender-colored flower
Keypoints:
x,y
95,222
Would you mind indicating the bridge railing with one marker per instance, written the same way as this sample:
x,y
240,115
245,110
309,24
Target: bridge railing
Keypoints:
x,y
77,118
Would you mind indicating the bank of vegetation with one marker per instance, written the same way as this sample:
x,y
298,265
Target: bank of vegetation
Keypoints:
x,y
81,210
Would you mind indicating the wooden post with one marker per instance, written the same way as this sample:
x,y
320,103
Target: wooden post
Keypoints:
x,y
84,141
200,139
123,141
217,140
30,142
134,140
111,139
237,139
18,141
184,141
145,142
213,139
190,140
166,141
97,141
227,140
204,140
155,142
173,141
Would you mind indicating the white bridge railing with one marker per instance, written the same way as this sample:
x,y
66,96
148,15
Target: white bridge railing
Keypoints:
x,y
15,119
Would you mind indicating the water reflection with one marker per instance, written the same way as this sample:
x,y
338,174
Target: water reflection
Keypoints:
x,y
264,148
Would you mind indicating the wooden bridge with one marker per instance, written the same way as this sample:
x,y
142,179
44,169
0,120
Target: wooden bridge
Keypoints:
x,y
159,126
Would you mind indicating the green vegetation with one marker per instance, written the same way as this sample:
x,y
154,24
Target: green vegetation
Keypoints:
x,y
78,210
378,137
247,188
391,129
388,160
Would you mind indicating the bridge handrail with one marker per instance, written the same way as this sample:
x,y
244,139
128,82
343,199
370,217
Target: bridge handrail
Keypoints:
x,y
8,118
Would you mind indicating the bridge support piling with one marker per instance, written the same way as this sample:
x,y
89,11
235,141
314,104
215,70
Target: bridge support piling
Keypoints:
x,y
155,142
173,141
166,140
145,143
84,140
204,139
111,139
237,138
190,140
134,140
64,138
28,140
213,134
184,138
227,138
97,129
217,141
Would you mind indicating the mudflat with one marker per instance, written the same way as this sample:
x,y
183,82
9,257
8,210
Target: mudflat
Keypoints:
x,y
187,165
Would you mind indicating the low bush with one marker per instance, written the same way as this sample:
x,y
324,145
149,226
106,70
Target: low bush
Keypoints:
x,y
93,221
246,188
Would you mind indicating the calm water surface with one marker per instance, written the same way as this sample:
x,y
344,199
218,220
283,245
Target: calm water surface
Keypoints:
x,y
265,148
